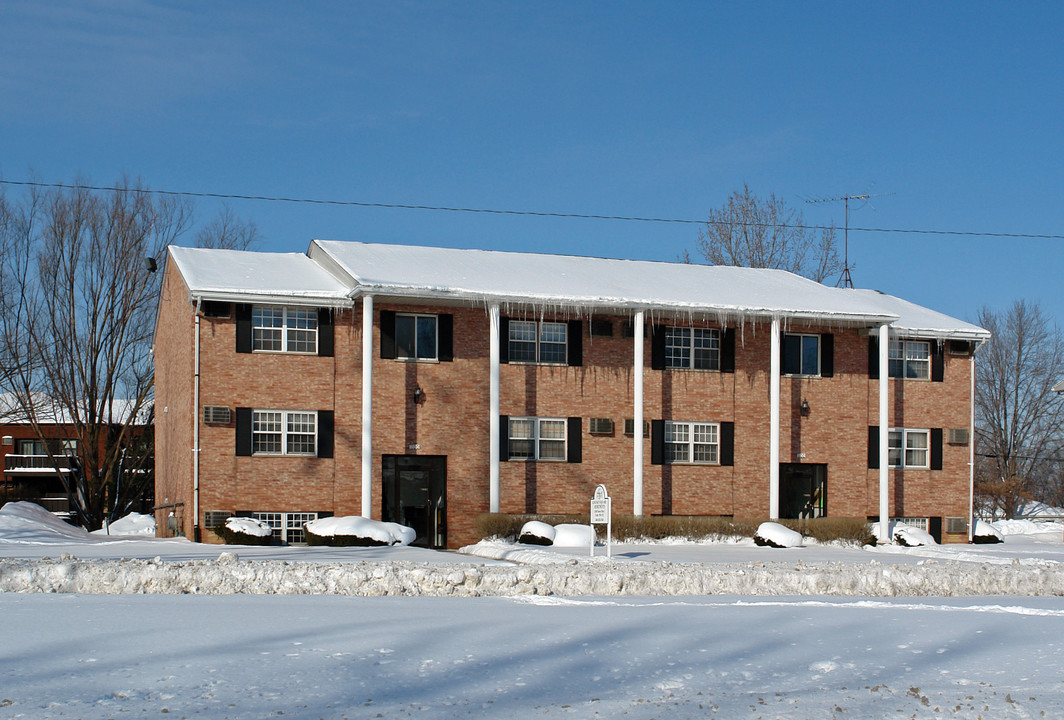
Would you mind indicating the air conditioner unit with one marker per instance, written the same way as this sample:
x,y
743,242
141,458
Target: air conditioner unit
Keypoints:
x,y
601,426
217,415
958,436
629,427
959,347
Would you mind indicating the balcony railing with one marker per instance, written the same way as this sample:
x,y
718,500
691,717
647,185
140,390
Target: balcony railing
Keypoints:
x,y
36,464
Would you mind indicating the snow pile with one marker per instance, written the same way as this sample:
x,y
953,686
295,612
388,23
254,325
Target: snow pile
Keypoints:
x,y
985,533
909,536
382,533
133,524
1026,527
248,526
535,532
26,522
772,534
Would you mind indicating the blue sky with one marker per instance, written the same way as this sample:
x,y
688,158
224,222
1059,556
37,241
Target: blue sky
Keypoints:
x,y
644,109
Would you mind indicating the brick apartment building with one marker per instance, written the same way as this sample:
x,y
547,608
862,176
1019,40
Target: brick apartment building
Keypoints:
x,y
517,382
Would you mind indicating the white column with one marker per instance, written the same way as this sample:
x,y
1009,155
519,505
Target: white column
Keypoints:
x,y
367,406
971,454
774,423
637,434
884,434
493,411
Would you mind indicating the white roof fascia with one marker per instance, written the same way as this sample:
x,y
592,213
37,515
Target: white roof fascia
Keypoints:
x,y
916,321
271,298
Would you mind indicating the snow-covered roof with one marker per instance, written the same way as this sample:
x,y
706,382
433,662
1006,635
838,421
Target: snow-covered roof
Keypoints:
x,y
268,277
917,321
52,412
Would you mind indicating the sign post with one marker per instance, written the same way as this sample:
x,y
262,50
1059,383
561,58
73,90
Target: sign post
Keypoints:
x,y
602,514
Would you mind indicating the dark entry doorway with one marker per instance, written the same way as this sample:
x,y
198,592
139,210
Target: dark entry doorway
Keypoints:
x,y
415,495
803,490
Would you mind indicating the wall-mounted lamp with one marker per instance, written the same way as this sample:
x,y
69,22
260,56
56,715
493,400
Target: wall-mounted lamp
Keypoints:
x,y
804,410
418,394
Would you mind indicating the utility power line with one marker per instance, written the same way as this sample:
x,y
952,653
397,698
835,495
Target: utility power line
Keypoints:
x,y
532,213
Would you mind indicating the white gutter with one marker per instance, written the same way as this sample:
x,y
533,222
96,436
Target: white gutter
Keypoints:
x,y
637,431
774,423
196,434
493,409
367,406
884,434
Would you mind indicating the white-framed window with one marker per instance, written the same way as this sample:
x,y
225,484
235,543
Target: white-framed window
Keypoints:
x,y
801,354
693,348
916,522
287,526
692,442
910,359
284,432
276,328
538,341
416,336
908,448
532,438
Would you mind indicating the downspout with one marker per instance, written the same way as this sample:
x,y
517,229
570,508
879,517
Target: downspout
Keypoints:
x,y
971,456
774,423
637,431
494,430
195,433
884,435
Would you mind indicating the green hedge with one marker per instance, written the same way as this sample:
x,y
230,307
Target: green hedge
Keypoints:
x,y
693,527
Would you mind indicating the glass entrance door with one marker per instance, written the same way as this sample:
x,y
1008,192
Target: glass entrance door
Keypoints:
x,y
803,490
415,495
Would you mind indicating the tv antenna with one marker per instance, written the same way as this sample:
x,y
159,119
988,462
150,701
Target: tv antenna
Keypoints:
x,y
845,280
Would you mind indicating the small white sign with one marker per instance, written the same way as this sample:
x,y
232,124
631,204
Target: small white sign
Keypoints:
x,y
601,514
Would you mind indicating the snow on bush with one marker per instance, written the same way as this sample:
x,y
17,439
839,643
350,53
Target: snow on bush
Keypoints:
x,y
132,524
909,536
772,534
26,522
357,530
535,532
248,526
569,535
985,533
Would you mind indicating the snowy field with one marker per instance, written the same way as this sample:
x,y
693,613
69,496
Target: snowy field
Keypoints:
x,y
747,644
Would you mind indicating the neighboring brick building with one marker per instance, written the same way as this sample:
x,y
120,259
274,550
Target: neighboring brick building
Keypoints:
x,y
515,382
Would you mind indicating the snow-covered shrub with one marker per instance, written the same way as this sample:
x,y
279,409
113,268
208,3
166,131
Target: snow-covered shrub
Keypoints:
x,y
572,535
356,531
772,534
909,536
133,524
244,531
535,532
985,533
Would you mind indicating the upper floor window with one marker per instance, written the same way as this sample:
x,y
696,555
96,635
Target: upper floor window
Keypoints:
x,y
801,354
537,341
533,438
695,348
910,359
416,337
284,329
907,448
34,446
691,442
284,432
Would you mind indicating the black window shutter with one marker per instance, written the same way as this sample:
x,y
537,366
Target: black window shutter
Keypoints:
x,y
243,432
657,347
727,350
325,433
873,447
243,328
938,360
727,443
387,322
325,332
504,340
657,442
445,337
504,438
827,355
575,337
873,357
574,435
936,448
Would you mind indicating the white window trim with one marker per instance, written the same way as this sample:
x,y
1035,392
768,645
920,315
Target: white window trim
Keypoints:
x,y
539,334
905,447
284,432
819,354
284,329
690,443
690,348
536,438
905,358
414,358
282,523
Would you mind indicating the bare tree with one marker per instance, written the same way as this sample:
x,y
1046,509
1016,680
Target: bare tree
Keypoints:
x,y
765,233
78,295
1019,419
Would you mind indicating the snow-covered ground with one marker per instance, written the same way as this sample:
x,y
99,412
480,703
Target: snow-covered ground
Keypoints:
x,y
713,630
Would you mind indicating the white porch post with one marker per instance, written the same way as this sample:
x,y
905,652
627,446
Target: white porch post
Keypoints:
x,y
493,411
774,423
637,434
971,454
367,406
884,434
